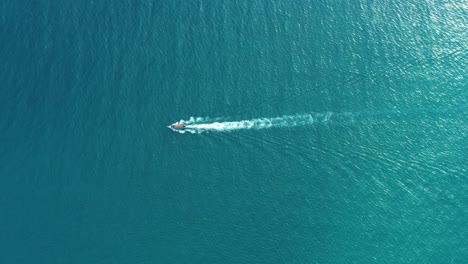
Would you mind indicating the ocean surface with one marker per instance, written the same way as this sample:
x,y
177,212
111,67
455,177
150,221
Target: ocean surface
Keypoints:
x,y
316,131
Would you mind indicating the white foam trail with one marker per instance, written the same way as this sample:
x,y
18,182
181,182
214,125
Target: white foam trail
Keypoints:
x,y
220,124
199,124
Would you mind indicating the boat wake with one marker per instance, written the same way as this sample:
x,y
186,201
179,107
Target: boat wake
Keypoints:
x,y
198,125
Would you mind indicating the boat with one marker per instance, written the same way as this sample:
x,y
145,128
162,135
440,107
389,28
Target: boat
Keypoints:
x,y
178,126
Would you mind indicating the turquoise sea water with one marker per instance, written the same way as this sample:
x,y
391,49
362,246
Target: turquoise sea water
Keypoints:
x,y
321,131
